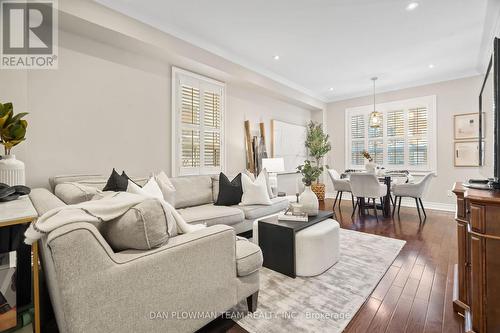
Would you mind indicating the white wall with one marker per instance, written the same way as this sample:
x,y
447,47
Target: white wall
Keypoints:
x,y
245,104
453,97
106,107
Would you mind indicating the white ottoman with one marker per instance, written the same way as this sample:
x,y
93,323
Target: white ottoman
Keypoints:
x,y
317,248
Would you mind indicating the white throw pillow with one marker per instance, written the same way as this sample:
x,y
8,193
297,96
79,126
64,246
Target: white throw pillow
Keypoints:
x,y
268,183
150,189
249,174
166,187
255,192
266,175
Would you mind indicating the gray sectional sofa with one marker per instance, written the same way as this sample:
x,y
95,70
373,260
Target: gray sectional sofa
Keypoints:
x,y
173,288
194,199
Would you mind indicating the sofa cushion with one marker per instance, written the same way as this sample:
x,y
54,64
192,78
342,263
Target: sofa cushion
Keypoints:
x,y
211,214
257,211
192,191
215,188
143,227
54,181
230,192
75,193
97,181
166,187
248,257
117,182
254,192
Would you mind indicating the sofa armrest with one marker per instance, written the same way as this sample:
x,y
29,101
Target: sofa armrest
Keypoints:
x,y
192,274
43,200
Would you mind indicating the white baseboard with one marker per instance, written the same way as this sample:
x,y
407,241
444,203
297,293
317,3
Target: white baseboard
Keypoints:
x,y
407,202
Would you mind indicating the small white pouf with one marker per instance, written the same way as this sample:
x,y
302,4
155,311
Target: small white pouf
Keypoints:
x,y
317,248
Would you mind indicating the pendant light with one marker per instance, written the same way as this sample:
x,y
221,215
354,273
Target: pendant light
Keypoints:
x,y
375,119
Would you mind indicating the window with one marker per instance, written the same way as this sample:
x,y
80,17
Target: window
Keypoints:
x,y
197,124
406,139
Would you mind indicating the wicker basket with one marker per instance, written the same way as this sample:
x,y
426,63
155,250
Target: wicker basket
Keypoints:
x,y
319,190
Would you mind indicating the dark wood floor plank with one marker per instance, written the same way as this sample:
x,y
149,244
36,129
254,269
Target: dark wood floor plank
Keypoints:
x,y
381,320
386,283
434,319
364,317
416,319
399,319
426,280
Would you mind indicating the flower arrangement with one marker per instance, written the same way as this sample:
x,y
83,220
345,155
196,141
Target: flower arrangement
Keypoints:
x,y
367,155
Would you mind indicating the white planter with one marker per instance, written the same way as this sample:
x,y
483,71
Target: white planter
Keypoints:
x,y
309,202
370,167
11,171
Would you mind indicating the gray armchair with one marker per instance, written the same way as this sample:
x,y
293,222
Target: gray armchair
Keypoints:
x,y
168,289
415,191
340,186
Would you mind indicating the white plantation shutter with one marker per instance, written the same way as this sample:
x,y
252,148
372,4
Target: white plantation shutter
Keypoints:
x,y
395,152
395,123
376,150
356,153
417,134
396,138
358,127
198,124
358,139
404,141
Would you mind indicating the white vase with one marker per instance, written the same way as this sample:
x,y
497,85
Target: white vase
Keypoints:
x,y
370,167
309,202
11,170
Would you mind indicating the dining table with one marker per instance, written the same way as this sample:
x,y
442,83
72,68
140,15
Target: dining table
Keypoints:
x,y
385,206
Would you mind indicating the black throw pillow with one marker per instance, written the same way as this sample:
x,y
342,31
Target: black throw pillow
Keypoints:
x,y
230,192
117,182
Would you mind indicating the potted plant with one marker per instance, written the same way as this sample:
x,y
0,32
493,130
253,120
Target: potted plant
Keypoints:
x,y
12,133
308,199
370,166
318,145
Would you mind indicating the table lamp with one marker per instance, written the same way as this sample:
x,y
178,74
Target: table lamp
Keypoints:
x,y
273,166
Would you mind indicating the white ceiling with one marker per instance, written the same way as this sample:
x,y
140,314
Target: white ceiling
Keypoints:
x,y
325,44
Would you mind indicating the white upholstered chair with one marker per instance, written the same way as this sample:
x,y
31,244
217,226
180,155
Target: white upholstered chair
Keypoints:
x,y
366,185
415,191
340,186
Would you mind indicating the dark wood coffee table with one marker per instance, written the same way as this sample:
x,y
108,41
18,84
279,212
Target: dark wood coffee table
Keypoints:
x,y
277,241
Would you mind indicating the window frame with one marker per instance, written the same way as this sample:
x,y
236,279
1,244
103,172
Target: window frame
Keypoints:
x,y
178,76
428,102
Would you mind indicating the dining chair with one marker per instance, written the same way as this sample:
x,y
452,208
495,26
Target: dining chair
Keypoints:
x,y
365,185
415,191
340,185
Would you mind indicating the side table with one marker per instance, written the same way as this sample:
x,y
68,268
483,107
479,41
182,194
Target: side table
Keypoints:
x,y
21,211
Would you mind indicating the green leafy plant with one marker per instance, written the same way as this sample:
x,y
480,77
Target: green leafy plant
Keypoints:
x,y
317,142
310,172
318,146
12,127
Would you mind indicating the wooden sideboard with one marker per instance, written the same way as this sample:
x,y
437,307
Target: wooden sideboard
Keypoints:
x,y
477,274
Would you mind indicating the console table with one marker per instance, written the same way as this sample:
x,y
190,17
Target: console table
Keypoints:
x,y
477,274
21,211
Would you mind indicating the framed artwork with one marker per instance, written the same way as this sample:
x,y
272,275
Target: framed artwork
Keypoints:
x,y
466,126
466,153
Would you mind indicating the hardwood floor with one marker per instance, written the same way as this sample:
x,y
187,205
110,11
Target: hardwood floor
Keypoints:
x,y
415,294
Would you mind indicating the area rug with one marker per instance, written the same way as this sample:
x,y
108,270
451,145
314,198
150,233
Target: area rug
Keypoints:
x,y
324,303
